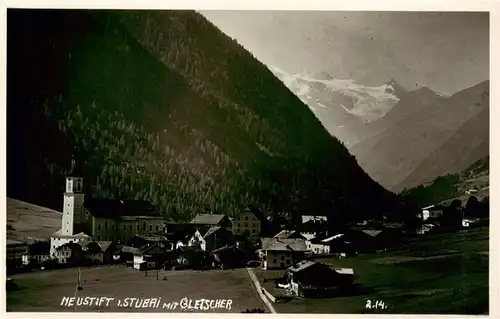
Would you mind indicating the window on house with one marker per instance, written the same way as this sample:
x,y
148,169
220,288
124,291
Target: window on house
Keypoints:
x,y
156,227
282,257
246,217
275,261
98,226
106,225
130,227
98,237
124,227
253,231
137,226
150,227
144,226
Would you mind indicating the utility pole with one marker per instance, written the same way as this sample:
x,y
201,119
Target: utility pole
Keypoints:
x,y
78,276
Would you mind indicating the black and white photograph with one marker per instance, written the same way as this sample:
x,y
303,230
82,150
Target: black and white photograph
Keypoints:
x,y
247,161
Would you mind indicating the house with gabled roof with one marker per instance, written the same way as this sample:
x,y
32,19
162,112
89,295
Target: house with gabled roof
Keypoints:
x,y
210,238
99,252
149,256
178,235
229,256
310,278
280,253
313,226
247,223
69,253
212,220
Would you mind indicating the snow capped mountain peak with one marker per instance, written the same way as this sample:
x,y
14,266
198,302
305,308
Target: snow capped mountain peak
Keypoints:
x,y
324,90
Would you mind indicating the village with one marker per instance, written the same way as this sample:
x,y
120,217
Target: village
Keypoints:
x,y
132,233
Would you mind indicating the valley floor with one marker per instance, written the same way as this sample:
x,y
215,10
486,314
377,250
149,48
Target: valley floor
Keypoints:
x,y
440,274
43,291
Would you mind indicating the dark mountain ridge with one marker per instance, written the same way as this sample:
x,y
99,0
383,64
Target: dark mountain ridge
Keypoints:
x,y
162,106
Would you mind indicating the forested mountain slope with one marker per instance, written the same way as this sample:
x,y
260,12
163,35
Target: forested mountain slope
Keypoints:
x,y
163,106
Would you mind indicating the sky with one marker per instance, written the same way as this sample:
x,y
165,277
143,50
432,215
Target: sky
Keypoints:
x,y
446,51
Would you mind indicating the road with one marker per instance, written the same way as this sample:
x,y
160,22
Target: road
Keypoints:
x,y
259,290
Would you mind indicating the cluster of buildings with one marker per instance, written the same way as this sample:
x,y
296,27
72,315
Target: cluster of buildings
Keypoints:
x,y
102,231
433,219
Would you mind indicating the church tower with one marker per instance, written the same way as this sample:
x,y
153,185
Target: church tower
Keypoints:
x,y
73,199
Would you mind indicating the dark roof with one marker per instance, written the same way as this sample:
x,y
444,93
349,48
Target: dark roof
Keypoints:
x,y
177,232
39,248
153,237
11,242
207,219
283,244
227,248
181,235
211,231
105,245
289,234
129,249
93,247
301,265
256,212
372,232
179,227
148,248
114,208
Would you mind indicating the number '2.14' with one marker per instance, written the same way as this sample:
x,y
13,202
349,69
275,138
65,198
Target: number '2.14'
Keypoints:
x,y
375,304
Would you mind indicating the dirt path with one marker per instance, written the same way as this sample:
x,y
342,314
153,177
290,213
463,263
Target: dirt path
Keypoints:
x,y
259,290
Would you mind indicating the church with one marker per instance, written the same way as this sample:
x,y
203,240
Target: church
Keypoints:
x,y
98,219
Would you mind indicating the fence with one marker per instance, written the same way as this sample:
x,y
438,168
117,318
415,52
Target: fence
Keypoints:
x,y
268,295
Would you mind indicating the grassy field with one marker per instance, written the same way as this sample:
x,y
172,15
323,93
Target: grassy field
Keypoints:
x,y
44,290
30,222
440,274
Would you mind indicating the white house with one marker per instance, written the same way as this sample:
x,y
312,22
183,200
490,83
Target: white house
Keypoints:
x,y
467,222
280,253
321,245
430,212
146,257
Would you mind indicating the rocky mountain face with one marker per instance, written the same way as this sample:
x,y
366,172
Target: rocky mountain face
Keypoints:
x,y
402,138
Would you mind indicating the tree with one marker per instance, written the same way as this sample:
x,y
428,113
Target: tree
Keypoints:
x,y
472,208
